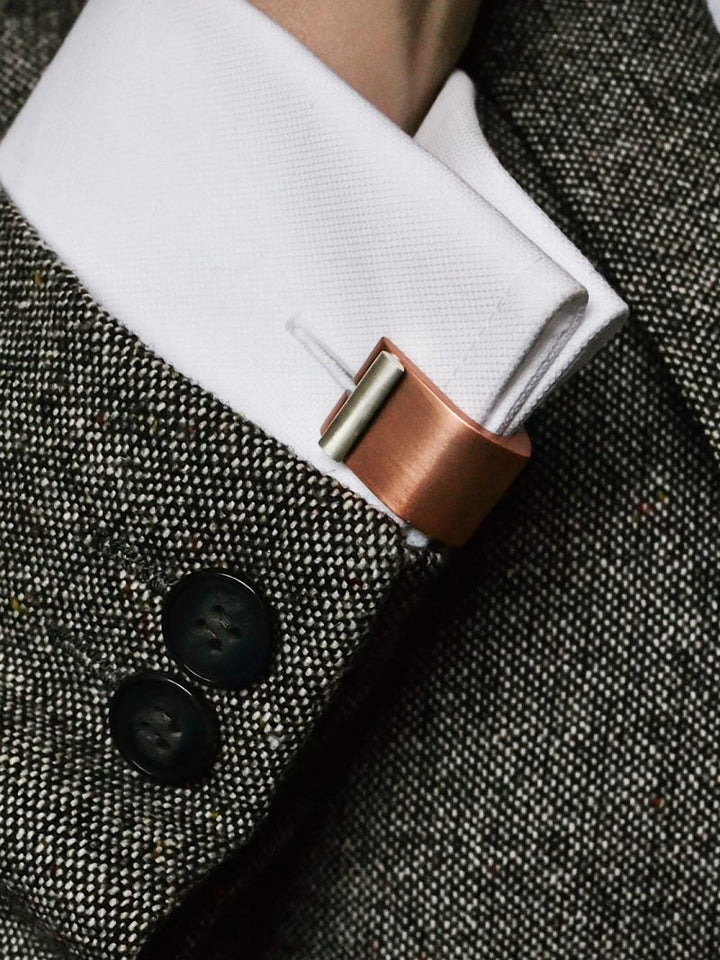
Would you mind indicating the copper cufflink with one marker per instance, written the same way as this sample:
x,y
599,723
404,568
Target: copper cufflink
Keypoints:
x,y
417,452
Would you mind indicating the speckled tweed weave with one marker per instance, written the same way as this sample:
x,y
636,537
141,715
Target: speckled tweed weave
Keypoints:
x,y
118,476
538,778
543,782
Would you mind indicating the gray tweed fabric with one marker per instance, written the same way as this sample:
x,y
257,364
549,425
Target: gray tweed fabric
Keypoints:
x,y
118,476
30,33
538,775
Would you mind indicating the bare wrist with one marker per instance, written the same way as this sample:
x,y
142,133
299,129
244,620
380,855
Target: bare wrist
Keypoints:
x,y
395,53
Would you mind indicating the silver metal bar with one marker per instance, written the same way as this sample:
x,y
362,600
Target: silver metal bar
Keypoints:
x,y
354,417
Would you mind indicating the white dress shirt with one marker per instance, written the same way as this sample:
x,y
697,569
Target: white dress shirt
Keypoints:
x,y
250,217
715,10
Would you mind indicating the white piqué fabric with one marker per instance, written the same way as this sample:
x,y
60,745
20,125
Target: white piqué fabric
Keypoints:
x,y
715,11
452,133
217,188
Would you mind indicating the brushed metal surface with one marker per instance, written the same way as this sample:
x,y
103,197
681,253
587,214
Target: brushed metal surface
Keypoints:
x,y
361,406
427,461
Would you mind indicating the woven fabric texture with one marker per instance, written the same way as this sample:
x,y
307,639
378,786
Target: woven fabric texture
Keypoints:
x,y
118,476
539,779
30,33
543,782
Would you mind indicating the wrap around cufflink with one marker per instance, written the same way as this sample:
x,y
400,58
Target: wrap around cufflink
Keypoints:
x,y
417,452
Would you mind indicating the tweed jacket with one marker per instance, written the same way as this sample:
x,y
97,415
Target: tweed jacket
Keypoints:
x,y
506,752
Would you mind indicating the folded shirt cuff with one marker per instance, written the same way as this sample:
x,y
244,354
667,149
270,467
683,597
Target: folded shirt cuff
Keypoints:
x,y
216,202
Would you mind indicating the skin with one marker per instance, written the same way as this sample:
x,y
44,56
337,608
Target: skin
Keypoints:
x,y
395,53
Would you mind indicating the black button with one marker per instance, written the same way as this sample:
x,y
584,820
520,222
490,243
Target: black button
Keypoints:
x,y
164,728
219,629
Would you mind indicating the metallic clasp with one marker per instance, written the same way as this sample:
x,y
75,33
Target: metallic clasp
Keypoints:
x,y
419,454
361,406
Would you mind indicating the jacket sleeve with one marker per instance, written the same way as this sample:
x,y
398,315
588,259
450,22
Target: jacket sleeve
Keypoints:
x,y
118,476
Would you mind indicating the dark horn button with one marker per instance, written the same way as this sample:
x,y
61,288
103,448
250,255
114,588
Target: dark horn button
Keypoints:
x,y
164,728
218,628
